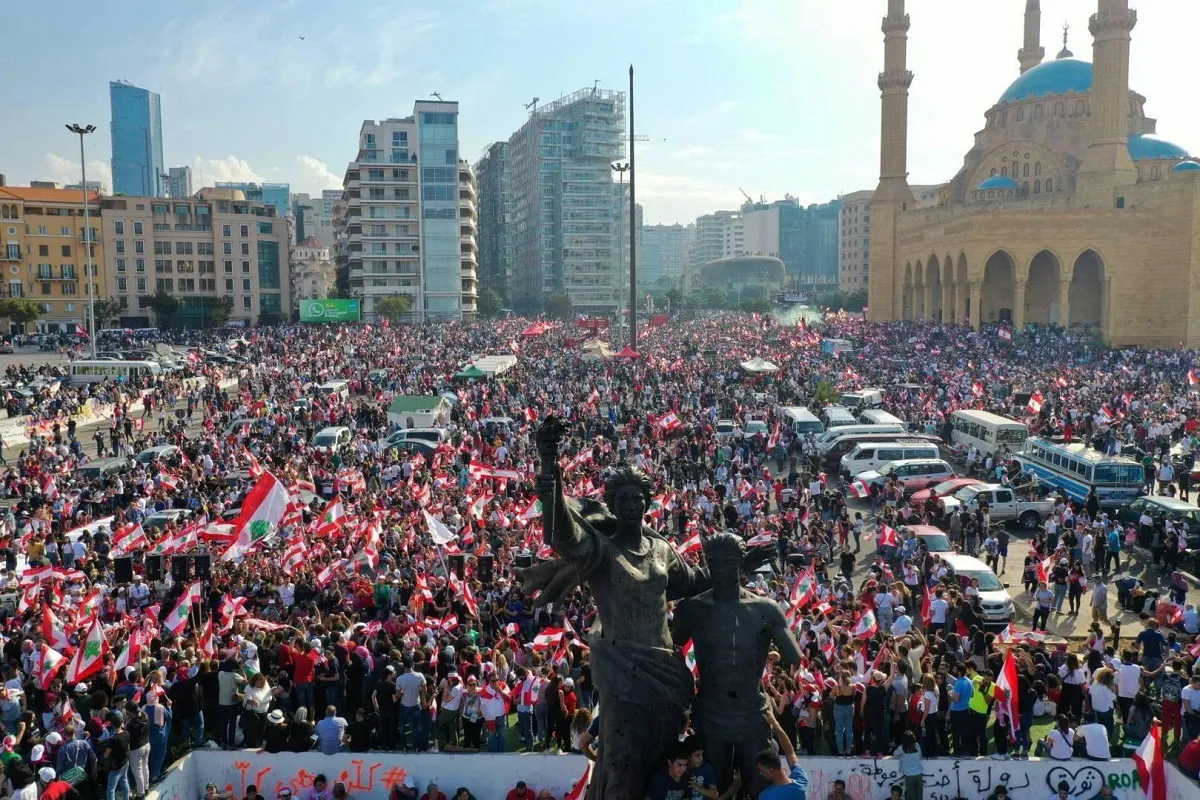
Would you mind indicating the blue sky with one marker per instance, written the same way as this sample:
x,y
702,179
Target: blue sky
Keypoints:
x,y
773,96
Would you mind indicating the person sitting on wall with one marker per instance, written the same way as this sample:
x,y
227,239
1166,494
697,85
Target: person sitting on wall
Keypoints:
x,y
432,792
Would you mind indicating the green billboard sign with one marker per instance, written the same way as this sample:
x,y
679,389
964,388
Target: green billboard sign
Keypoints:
x,y
330,311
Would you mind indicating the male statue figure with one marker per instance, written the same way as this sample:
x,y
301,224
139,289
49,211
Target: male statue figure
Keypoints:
x,y
642,685
732,630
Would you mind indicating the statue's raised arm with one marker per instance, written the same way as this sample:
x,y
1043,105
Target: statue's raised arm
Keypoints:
x,y
558,530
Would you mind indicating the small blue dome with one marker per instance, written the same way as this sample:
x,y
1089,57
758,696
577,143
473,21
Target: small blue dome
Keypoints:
x,y
1185,166
998,182
1147,146
1051,77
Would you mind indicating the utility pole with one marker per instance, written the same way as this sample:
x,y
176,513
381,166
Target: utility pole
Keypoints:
x,y
632,217
620,169
87,236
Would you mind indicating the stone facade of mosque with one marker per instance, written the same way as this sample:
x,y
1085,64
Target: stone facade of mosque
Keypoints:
x,y
1068,209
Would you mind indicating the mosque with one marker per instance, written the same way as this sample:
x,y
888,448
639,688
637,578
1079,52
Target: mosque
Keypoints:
x,y
1068,209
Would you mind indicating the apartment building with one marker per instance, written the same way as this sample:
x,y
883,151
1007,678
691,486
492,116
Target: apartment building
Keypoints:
x,y
199,250
179,182
44,254
718,235
854,234
406,223
661,257
495,234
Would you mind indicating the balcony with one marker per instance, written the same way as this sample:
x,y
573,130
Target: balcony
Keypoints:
x,y
466,191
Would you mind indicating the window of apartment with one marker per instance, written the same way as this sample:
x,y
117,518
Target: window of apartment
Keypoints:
x,y
119,228
370,140
123,302
245,248
183,248
44,271
437,117
162,248
139,246
68,271
229,284
245,284
245,231
246,267
246,302
266,227
41,230
375,193
379,230
64,231
375,174
228,267
227,248
120,243
204,248
137,228
122,284
187,284
165,285
399,174
162,265
141,284
43,249
140,264
400,156
401,194
399,138
226,230
68,288
45,288
120,265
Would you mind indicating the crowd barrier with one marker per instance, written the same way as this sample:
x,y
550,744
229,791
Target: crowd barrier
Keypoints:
x,y
370,776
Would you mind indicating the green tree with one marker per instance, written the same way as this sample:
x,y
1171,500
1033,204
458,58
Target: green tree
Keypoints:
x,y
218,308
106,311
676,298
164,306
826,393
20,310
488,302
394,307
558,305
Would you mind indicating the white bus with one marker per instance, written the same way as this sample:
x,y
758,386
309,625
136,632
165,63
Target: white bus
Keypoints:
x,y
802,421
119,371
987,431
1075,468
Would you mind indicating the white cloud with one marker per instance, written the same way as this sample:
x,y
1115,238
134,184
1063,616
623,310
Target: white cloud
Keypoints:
x,y
66,171
315,176
207,171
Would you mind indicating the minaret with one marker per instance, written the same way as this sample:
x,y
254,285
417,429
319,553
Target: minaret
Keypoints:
x,y
1032,53
893,85
1106,164
893,195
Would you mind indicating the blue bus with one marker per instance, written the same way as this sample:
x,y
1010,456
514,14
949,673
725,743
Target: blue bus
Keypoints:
x,y
1075,468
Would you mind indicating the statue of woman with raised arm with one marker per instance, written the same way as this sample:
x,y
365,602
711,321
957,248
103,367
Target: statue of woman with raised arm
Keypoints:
x,y
642,684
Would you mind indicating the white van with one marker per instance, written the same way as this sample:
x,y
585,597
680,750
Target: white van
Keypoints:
x,y
874,416
862,398
837,417
332,439
330,388
830,437
993,597
432,436
802,421
987,431
872,455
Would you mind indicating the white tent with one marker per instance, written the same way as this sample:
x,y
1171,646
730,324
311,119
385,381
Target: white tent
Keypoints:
x,y
757,365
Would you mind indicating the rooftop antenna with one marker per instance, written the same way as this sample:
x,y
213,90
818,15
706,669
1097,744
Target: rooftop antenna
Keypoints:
x,y
435,94
595,86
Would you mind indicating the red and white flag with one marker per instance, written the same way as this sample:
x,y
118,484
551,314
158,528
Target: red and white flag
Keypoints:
x,y
81,331
1005,333
1149,760
548,639
804,590
887,537
579,790
860,490
1192,378
692,544
1035,403
478,470
53,631
1007,707
262,510
129,538
90,657
977,388
49,662
670,423
332,517
177,620
765,539
294,556
131,654
206,643
689,658
866,627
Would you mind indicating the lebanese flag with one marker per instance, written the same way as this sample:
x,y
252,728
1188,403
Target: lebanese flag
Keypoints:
x,y
1149,760
860,490
1035,403
81,331
262,510
232,608
423,494
689,658
926,614
168,481
690,545
130,538
773,439
670,423
977,389
438,531
1043,568
1005,334
579,790
49,486
548,639
532,511
53,631
866,627
326,575
132,653
478,470
90,657
1061,382
331,516
887,537
829,650
256,469
805,589
207,646
294,556
1192,378
177,620
49,662
762,540
1006,681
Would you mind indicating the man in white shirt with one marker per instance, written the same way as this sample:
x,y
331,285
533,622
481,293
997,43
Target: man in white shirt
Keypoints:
x,y
445,730
902,624
287,594
139,593
937,612
409,686
1095,738
1129,681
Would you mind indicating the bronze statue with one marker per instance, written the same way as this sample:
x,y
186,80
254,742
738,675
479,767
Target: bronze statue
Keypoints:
x,y
642,684
732,630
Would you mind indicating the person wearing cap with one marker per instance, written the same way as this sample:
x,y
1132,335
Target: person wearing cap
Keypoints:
x,y
54,788
902,624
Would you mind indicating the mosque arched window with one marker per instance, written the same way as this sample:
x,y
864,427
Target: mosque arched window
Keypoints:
x,y
1079,108
1154,173
3,212
1025,187
1037,187
1037,168
1020,114
1003,118
1049,184
1059,109
1037,111
1004,171
993,172
1025,171
991,193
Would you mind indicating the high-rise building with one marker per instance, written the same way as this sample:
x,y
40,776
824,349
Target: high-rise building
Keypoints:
x,y
406,224
277,194
208,250
561,211
137,157
661,259
854,233
803,238
495,240
179,182
717,235
44,252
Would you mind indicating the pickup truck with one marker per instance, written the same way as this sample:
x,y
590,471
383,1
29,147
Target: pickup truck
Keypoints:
x,y
1003,504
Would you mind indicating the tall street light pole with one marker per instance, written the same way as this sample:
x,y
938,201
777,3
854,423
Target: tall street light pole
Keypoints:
x,y
83,130
620,169
632,217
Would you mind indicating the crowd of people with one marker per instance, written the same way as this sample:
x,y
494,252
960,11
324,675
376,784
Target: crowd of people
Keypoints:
x,y
365,597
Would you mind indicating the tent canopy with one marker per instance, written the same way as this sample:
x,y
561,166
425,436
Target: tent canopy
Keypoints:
x,y
471,371
627,352
757,364
536,329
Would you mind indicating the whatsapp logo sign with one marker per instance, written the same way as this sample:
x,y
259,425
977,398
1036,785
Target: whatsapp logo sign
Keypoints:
x,y
316,310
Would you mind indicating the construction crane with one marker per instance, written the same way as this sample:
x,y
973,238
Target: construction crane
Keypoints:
x,y
435,94
743,191
531,106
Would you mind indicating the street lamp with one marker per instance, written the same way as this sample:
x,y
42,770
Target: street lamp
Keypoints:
x,y
83,130
621,169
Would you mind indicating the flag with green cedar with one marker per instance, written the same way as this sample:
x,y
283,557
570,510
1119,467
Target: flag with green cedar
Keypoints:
x,y
262,510
177,620
90,657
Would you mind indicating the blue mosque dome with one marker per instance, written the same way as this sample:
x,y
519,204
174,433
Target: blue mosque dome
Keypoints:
x,y
1051,77
1185,166
998,182
1146,146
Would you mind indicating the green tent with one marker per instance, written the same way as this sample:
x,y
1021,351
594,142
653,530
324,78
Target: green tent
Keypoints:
x,y
472,371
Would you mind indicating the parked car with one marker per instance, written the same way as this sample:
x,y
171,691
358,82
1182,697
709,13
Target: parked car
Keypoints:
x,y
934,539
994,599
913,474
165,452
946,487
726,429
1003,504
331,440
160,519
1159,508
